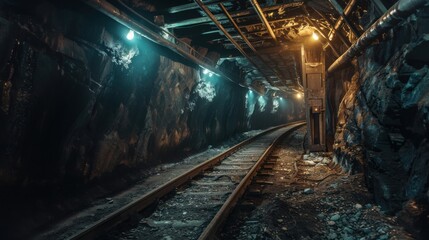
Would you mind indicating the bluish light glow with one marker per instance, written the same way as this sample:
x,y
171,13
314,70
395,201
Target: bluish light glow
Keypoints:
x,y
250,92
130,35
208,72
276,105
262,103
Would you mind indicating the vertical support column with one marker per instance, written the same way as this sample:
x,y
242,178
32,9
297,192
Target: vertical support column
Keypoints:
x,y
313,73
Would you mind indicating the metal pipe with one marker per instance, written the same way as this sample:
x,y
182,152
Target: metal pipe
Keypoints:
x,y
340,20
122,18
340,10
264,20
397,13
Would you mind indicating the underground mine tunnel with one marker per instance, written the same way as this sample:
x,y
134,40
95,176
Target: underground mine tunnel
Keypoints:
x,y
214,119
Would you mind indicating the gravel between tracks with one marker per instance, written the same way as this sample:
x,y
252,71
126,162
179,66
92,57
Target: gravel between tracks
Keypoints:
x,y
309,200
151,178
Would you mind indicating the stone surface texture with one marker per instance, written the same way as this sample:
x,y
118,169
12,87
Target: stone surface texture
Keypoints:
x,y
382,125
78,101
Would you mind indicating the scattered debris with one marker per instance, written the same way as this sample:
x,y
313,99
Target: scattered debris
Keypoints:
x,y
308,191
334,209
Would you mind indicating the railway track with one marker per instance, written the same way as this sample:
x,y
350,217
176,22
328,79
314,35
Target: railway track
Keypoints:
x,y
195,204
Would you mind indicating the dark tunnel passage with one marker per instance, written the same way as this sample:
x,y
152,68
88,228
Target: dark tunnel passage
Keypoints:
x,y
97,95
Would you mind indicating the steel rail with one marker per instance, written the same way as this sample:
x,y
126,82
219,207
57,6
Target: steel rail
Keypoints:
x,y
220,217
396,14
122,214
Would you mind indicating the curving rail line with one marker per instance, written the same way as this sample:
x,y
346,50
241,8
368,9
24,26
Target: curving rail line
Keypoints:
x,y
224,178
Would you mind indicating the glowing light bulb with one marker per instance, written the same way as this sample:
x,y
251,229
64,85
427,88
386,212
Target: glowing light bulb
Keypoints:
x,y
315,36
299,95
205,71
130,35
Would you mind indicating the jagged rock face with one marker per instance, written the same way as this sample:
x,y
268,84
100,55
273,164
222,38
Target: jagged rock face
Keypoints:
x,y
78,101
383,119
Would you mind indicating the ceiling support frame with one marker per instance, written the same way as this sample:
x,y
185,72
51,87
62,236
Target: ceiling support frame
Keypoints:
x,y
331,24
246,40
264,20
237,14
316,26
342,19
124,19
342,13
230,38
236,27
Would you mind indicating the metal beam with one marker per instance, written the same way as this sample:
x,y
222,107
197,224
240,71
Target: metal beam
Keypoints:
x,y
122,18
219,25
396,14
316,26
238,14
264,20
341,19
331,24
289,18
340,10
230,38
190,6
236,27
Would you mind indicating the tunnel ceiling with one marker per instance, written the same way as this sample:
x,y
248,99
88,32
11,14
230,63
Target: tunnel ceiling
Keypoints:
x,y
271,57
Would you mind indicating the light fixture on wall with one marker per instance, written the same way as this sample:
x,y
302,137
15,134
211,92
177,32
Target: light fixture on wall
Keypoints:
x,y
298,95
208,72
315,36
130,35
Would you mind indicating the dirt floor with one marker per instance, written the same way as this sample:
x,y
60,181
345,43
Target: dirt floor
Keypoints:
x,y
310,198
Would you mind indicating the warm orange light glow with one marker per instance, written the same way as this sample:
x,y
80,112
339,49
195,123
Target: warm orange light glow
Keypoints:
x,y
315,36
299,95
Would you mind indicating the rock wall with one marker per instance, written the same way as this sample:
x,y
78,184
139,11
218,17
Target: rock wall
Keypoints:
x,y
382,125
78,101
